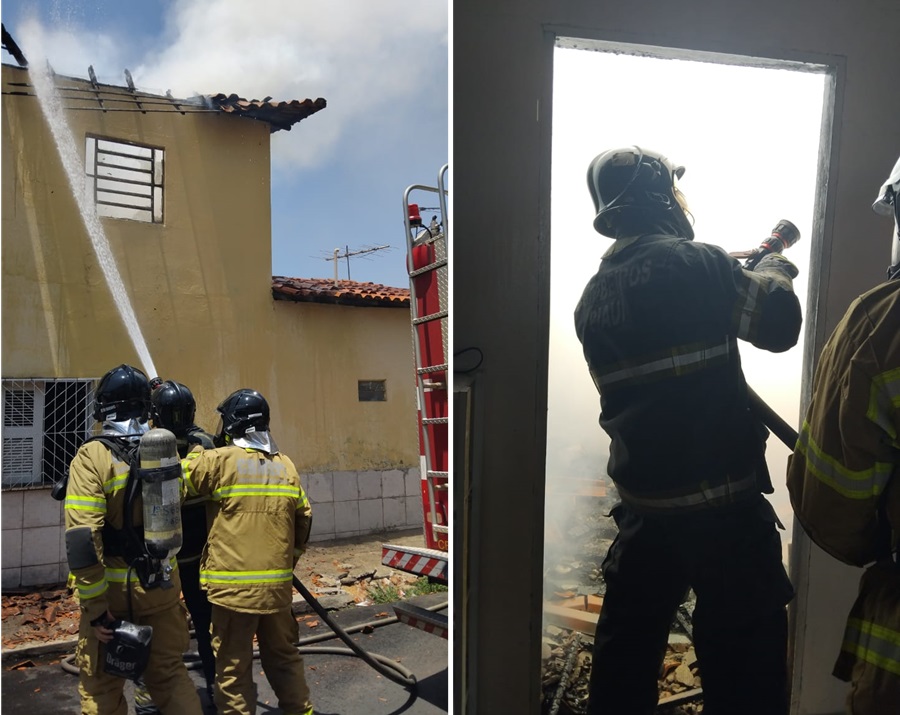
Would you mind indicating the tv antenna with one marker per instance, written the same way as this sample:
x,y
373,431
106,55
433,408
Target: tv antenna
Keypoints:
x,y
347,254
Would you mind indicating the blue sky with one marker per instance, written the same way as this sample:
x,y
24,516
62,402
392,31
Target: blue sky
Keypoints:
x,y
337,177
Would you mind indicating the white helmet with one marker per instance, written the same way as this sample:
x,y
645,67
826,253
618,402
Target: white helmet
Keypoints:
x,y
888,204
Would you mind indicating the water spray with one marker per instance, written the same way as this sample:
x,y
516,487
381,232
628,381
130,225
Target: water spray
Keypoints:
x,y
51,106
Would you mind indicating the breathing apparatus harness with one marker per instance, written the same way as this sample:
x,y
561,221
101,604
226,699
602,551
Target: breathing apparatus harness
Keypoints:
x,y
129,542
153,474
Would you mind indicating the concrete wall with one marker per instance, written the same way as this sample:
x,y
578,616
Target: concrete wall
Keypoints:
x,y
345,504
503,53
201,288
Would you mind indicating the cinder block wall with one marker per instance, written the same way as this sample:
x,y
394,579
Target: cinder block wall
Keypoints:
x,y
345,504
33,539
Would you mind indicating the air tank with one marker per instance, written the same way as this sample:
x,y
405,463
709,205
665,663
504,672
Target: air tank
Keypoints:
x,y
160,474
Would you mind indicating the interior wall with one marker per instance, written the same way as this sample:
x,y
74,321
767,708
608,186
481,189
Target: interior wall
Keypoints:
x,y
501,140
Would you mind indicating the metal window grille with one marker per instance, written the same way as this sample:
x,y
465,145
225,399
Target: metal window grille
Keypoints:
x,y
126,178
44,423
372,390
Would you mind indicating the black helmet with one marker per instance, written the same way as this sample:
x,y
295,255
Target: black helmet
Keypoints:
x,y
172,407
122,394
634,190
243,411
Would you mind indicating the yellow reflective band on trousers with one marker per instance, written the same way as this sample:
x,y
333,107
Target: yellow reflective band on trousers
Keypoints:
x,y
232,578
853,484
674,362
874,644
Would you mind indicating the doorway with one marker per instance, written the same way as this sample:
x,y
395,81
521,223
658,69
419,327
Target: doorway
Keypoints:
x,y
749,133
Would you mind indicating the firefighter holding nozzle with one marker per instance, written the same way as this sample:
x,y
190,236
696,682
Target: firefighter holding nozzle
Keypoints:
x,y
660,323
122,514
844,475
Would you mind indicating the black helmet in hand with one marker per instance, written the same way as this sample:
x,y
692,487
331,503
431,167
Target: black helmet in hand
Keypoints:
x,y
242,411
122,394
172,407
634,193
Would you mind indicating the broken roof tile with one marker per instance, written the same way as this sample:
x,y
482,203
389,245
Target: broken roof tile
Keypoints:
x,y
279,115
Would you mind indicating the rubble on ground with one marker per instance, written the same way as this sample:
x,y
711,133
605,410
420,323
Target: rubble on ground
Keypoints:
x,y
33,618
39,617
578,534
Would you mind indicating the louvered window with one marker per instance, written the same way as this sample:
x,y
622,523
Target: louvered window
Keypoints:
x,y
44,423
127,179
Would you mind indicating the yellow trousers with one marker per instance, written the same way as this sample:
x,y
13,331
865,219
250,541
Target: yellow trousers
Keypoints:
x,y
232,642
166,676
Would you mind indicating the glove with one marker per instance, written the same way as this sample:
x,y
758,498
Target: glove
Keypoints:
x,y
777,262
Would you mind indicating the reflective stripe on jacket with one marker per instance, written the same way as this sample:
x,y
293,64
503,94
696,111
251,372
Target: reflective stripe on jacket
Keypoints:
x,y
844,468
95,496
845,488
870,652
260,526
659,324
193,515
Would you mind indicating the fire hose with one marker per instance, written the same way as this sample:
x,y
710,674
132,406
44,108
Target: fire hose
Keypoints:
x,y
385,666
783,236
772,420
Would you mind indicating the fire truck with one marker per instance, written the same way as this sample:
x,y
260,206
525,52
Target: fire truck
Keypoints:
x,y
426,260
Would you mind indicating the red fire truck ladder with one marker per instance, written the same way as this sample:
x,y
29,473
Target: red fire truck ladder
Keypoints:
x,y
427,267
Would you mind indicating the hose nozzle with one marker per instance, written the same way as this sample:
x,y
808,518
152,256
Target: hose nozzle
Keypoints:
x,y
784,235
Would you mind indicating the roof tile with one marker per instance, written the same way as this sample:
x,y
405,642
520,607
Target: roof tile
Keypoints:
x,y
279,115
325,290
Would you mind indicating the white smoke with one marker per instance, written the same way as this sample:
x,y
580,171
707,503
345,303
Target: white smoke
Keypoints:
x,y
376,63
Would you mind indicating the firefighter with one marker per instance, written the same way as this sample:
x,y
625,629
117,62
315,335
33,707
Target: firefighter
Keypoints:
x,y
659,324
172,406
844,475
102,560
259,528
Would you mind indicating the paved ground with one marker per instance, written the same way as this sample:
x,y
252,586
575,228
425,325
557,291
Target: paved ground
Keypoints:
x,y
340,684
35,683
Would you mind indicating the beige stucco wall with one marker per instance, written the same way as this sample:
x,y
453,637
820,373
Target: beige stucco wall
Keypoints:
x,y
323,351
189,280
200,286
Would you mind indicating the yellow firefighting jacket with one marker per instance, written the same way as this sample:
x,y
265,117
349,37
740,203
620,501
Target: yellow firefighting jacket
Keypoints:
x,y
844,477
259,526
95,497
